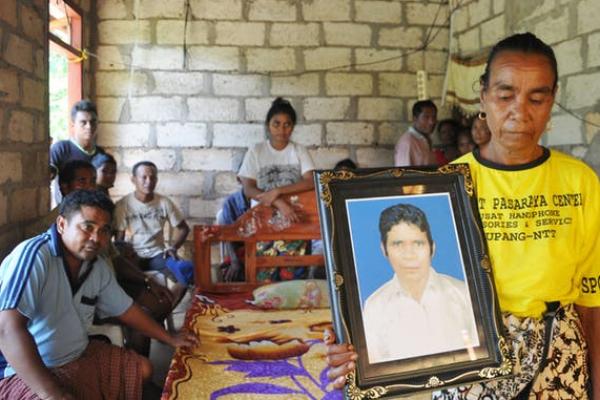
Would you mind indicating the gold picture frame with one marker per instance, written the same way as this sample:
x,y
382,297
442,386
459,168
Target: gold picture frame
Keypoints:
x,y
398,354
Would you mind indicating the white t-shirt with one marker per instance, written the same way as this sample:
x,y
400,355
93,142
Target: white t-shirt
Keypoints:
x,y
143,223
272,168
397,326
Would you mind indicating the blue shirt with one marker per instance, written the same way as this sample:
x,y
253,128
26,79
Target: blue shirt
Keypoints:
x,y
33,280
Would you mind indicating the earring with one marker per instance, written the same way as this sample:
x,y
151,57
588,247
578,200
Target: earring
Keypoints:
x,y
481,115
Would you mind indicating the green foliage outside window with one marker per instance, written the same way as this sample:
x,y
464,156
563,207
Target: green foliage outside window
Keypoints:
x,y
59,107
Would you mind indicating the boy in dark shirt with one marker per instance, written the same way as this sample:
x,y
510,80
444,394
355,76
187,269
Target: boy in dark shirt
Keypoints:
x,y
81,145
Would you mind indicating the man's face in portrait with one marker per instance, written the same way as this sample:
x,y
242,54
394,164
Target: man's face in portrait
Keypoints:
x,y
408,250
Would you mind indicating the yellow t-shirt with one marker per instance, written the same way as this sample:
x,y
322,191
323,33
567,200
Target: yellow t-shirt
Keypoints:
x,y
541,222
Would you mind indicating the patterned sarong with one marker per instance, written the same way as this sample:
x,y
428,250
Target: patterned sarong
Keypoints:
x,y
564,377
102,372
281,248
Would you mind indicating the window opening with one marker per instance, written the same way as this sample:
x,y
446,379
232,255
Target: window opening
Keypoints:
x,y
65,67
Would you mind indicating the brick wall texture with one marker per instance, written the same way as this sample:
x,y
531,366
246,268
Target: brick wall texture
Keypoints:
x,y
188,87
348,66
24,194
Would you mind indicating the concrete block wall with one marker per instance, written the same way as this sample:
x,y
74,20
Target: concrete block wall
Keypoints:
x,y
572,28
24,136
339,62
24,194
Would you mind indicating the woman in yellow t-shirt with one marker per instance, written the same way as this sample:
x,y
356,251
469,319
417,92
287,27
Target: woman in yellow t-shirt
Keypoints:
x,y
546,252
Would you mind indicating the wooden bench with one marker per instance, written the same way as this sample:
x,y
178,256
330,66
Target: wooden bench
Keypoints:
x,y
252,227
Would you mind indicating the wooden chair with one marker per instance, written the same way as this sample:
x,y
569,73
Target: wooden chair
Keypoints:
x,y
252,227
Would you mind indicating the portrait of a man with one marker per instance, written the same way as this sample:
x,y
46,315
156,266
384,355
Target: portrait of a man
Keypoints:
x,y
419,310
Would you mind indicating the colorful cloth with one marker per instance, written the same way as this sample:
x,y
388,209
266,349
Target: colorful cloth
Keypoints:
x,y
564,377
301,293
251,354
282,248
103,372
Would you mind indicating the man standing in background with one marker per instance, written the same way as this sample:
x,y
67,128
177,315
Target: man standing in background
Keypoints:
x,y
414,146
80,146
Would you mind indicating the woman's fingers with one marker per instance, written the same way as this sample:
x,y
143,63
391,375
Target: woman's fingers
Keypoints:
x,y
339,382
338,374
339,357
329,336
294,217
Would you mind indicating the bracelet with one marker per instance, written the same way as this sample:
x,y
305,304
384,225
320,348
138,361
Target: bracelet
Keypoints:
x,y
147,281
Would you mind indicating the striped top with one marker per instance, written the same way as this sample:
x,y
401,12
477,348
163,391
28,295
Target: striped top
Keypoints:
x,y
33,281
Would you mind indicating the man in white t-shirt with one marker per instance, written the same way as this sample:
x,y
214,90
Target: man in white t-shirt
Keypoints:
x,y
140,218
419,311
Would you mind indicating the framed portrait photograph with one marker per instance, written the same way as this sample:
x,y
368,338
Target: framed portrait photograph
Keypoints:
x,y
410,280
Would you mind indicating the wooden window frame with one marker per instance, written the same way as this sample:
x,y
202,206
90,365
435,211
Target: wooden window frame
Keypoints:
x,y
71,51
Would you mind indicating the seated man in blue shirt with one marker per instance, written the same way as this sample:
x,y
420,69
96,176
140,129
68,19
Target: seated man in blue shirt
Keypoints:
x,y
50,288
